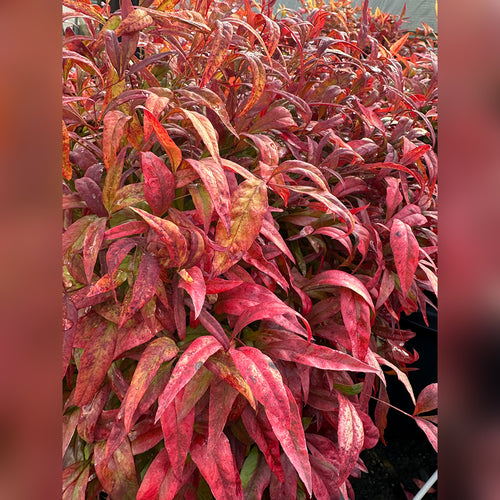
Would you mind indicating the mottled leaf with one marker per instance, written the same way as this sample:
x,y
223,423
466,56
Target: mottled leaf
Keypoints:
x,y
248,207
189,363
405,249
159,183
218,47
157,352
427,400
94,237
94,364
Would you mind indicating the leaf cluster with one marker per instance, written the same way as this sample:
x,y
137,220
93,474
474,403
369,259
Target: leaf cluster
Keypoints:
x,y
250,205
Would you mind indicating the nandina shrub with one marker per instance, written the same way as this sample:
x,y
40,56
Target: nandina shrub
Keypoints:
x,y
249,207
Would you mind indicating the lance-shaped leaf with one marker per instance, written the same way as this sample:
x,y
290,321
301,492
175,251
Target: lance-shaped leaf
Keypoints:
x,y
270,311
402,376
205,130
113,179
264,380
259,429
427,400
317,356
219,44
137,20
117,251
117,476
91,246
340,278
203,203
286,490
248,207
67,170
154,477
215,182
222,365
170,234
145,286
293,440
218,467
157,352
127,229
405,249
302,168
356,316
94,364
177,434
256,478
75,481
159,183
207,97
258,81
193,282
189,363
215,328
114,126
350,437
430,430
269,230
222,397
172,150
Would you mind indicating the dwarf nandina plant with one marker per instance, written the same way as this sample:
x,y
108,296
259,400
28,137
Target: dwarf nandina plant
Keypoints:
x,y
249,207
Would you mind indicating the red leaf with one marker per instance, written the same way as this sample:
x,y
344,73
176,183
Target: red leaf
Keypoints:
x,y
157,352
94,237
177,434
70,321
255,257
218,467
75,481
193,282
94,364
427,400
356,316
293,441
126,229
430,431
222,397
286,490
248,207
405,249
90,414
350,437
264,380
205,130
214,327
219,44
386,288
414,154
114,126
403,378
170,234
117,251
259,430
269,230
137,20
118,476
276,118
340,278
159,183
258,81
189,363
203,203
145,286
155,475
214,180
222,365
317,356
172,150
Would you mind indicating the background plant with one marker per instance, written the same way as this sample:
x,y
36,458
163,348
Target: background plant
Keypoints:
x,y
249,207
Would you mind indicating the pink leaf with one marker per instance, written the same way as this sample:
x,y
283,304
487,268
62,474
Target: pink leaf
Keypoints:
x,y
430,431
114,126
350,437
427,400
94,364
189,363
145,286
218,467
356,316
405,249
193,282
157,352
264,380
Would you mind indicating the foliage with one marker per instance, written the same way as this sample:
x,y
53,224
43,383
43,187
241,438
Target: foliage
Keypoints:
x,y
249,207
